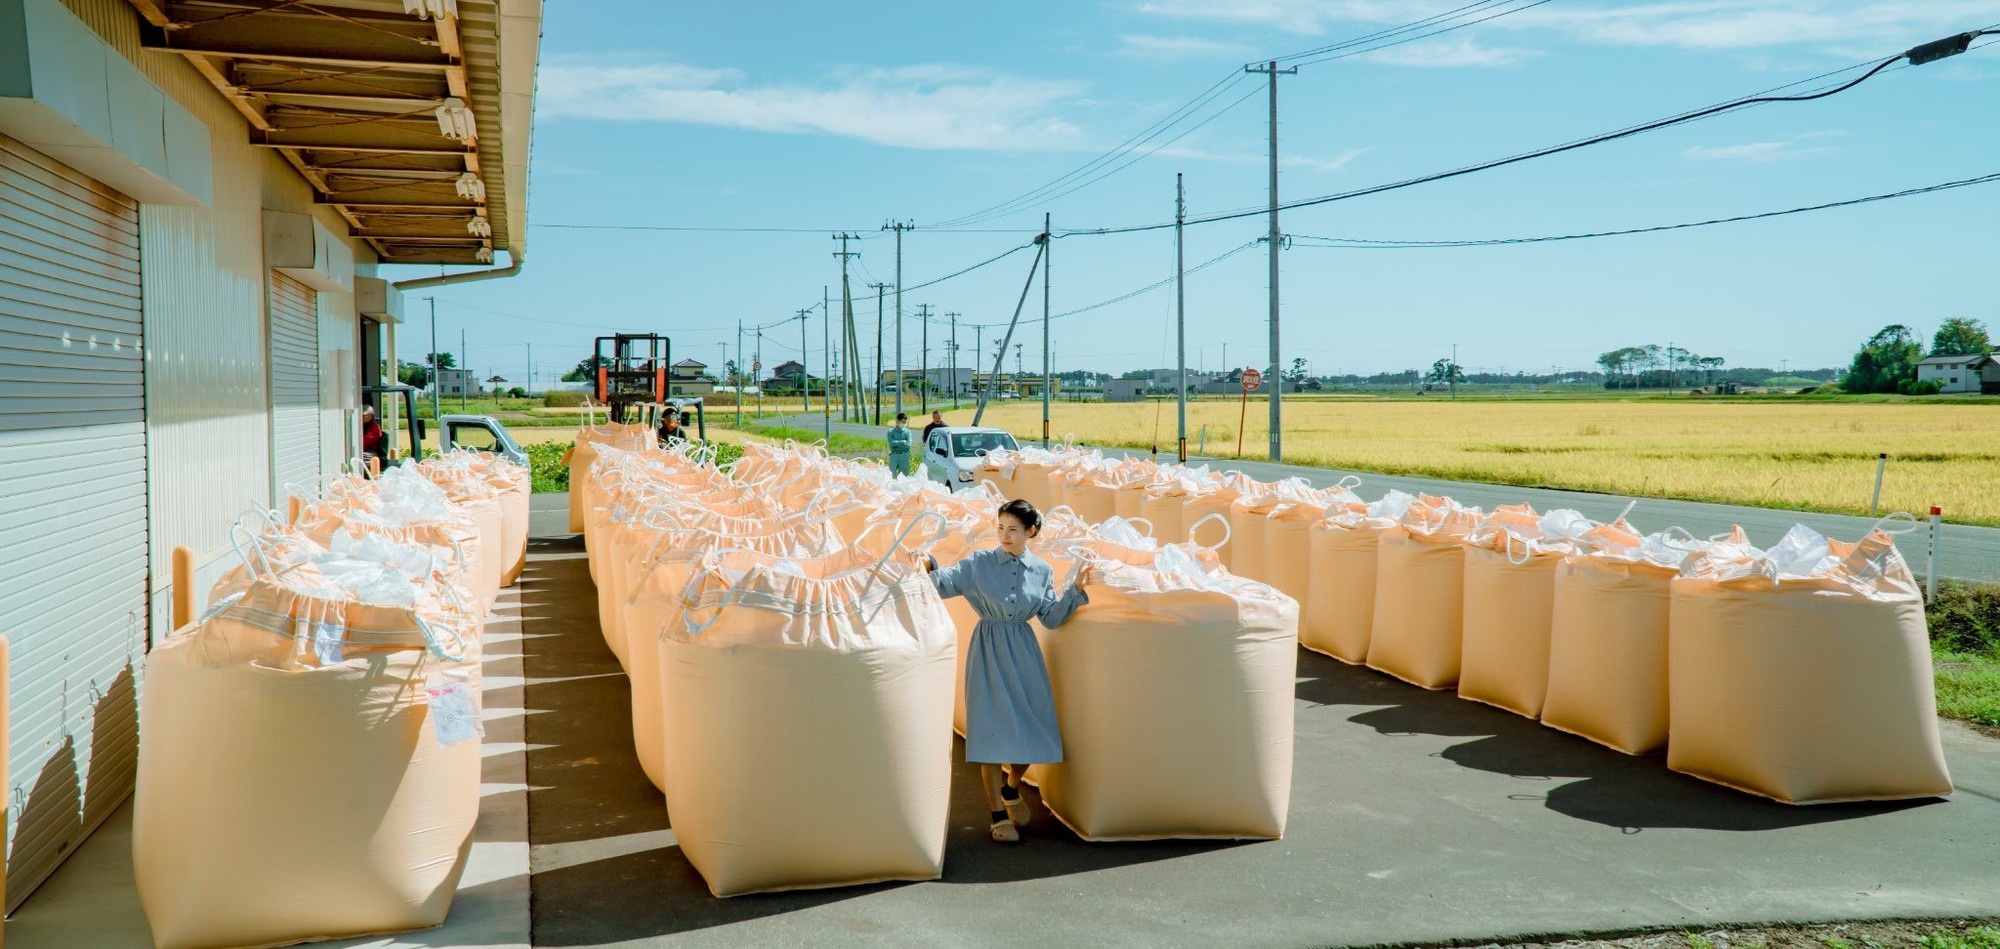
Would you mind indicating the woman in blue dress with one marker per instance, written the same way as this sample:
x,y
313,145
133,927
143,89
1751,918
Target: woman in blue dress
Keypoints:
x,y
1010,710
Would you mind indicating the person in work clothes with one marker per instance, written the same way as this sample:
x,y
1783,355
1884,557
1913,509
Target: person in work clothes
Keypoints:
x,y
1010,709
899,445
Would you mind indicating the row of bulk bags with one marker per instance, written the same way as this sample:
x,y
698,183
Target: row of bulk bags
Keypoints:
x,y
404,503
806,705
1174,660
311,760
629,437
1290,513
514,485
1803,673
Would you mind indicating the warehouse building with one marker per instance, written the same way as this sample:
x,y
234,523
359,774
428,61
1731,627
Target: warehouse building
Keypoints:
x,y
196,201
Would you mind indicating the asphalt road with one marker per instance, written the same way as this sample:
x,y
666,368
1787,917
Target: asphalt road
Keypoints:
x,y
1417,818
1964,552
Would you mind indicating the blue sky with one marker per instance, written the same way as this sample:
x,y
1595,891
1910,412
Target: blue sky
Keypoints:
x,y
842,116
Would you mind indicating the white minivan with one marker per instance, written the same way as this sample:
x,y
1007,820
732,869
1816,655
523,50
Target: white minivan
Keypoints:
x,y
952,452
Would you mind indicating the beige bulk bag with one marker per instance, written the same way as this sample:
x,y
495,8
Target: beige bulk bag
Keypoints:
x,y
1218,498
1338,618
650,600
1510,588
1803,674
1172,662
1031,481
288,794
966,528
1246,533
1089,492
1129,482
584,452
515,496
1162,508
808,739
1287,553
1608,641
1420,594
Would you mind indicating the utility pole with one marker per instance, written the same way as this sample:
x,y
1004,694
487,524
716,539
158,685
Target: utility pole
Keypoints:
x,y
846,325
1180,310
879,287
954,359
979,353
1048,262
901,383
760,383
738,381
436,382
1451,378
924,362
805,377
826,359
1277,354
464,366
531,370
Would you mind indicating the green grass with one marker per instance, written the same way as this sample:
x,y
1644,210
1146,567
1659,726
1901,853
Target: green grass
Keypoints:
x,y
1964,624
1983,937
840,444
1968,687
551,474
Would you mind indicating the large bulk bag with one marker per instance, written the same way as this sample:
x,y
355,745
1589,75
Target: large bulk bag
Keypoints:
x,y
666,555
1288,525
584,452
1129,484
1246,533
1338,618
1163,508
310,768
807,711
1090,492
966,528
1803,674
1420,594
1218,497
516,486
1173,661
1608,640
1510,588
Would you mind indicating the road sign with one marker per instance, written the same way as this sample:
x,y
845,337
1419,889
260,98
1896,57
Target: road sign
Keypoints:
x,y
1252,379
756,365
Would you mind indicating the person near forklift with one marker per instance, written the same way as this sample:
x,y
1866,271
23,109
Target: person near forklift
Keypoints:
x,y
899,445
374,441
670,430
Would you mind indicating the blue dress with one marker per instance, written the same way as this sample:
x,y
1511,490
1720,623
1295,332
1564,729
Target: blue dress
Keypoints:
x,y
1010,710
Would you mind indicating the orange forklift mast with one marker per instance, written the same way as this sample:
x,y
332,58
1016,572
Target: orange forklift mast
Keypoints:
x,y
631,372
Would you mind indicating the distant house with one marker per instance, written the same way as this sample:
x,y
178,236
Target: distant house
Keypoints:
x,y
455,383
689,377
1125,390
1978,372
786,375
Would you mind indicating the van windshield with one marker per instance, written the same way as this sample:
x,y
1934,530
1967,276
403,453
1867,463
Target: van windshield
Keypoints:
x,y
973,444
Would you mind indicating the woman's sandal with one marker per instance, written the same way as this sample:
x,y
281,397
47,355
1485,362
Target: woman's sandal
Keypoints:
x,y
1004,832
1017,806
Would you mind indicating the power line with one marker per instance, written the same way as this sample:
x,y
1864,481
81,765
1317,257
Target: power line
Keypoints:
x,y
1384,34
1730,106
1121,298
1355,243
1424,36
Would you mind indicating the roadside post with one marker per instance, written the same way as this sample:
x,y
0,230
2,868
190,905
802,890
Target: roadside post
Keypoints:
x,y
1931,568
1875,503
1251,380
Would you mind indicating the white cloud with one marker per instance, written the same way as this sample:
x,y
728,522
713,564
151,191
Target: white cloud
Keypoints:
x,y
927,106
1451,54
1764,152
1881,26
1336,163
1142,46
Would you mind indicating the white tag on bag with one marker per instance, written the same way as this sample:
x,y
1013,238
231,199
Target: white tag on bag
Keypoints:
x,y
329,643
453,716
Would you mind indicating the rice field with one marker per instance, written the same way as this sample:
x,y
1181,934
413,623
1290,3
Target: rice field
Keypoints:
x,y
1805,455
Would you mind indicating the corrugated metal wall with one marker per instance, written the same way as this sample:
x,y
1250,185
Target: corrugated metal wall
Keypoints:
x,y
72,502
340,378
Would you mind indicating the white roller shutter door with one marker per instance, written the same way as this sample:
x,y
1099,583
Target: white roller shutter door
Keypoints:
x,y
294,385
73,571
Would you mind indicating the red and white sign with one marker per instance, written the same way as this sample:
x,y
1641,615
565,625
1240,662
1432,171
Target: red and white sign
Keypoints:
x,y
1252,379
756,365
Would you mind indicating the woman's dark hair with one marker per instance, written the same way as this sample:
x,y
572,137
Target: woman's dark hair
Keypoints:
x,y
1024,513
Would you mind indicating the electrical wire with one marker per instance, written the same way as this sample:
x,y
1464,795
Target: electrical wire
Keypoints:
x,y
1108,163
1684,117
1356,243
1424,36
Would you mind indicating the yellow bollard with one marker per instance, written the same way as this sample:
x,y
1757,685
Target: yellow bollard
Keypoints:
x,y
183,588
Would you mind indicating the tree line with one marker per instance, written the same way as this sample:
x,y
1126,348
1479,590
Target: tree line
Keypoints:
x,y
1887,362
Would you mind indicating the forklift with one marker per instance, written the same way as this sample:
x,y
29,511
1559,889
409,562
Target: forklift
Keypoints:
x,y
632,382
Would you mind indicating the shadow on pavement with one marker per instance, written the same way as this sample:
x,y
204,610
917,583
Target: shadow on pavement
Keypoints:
x,y
1629,792
608,870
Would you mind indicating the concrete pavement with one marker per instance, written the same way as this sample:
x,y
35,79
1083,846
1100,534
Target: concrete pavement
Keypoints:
x,y
1965,552
1416,818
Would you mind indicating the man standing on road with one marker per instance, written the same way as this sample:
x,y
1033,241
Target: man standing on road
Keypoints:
x,y
899,445
937,422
